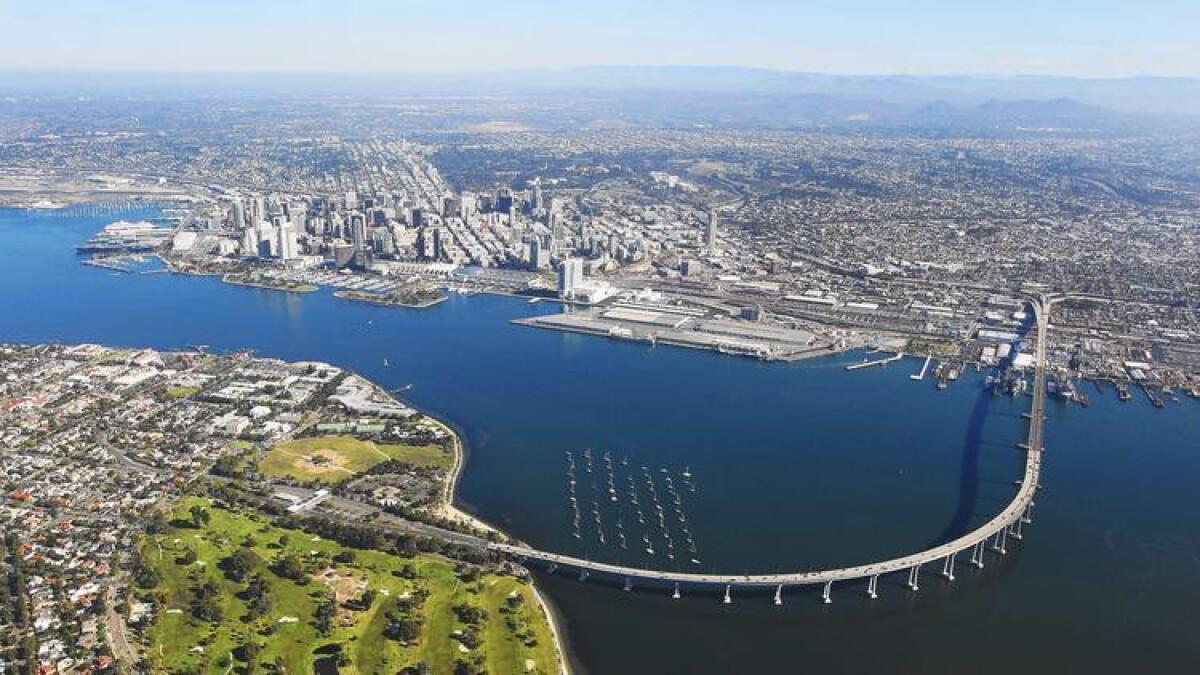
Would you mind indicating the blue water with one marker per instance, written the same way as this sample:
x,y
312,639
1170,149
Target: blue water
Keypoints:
x,y
796,466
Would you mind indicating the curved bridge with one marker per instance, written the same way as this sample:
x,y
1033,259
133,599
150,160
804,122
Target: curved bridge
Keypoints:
x,y
992,535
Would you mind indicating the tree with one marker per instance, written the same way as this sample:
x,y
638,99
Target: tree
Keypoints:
x,y
323,616
200,516
404,628
237,565
157,523
289,567
470,614
188,557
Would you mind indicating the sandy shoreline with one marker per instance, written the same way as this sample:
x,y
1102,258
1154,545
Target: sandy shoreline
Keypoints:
x,y
449,510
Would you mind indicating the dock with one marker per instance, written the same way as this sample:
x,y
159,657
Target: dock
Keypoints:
x,y
876,362
921,375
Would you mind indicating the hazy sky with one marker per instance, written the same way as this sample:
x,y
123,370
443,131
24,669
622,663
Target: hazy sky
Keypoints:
x,y
1071,37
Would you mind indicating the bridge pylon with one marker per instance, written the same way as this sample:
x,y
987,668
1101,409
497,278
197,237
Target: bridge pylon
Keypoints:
x,y
977,554
948,567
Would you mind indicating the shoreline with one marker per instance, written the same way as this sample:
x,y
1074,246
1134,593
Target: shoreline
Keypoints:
x,y
382,301
795,357
227,278
449,510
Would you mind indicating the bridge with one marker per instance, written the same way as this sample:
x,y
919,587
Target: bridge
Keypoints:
x,y
992,536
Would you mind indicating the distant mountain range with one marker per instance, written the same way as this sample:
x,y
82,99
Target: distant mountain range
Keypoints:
x,y
721,96
1142,95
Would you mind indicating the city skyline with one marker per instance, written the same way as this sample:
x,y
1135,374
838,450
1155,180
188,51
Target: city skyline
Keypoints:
x,y
1104,39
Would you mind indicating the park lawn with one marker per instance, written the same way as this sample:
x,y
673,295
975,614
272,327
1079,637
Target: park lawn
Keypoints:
x,y
360,633
420,455
329,459
181,392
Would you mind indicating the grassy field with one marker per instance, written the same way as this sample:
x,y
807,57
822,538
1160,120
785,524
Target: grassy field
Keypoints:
x,y
332,458
187,557
181,392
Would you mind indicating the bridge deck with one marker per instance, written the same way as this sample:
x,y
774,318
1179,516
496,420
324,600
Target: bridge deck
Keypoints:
x,y
1012,513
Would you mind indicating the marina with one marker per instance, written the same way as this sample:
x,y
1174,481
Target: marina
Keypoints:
x,y
662,526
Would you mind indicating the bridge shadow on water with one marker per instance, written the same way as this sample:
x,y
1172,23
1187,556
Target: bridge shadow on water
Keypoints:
x,y
969,480
973,443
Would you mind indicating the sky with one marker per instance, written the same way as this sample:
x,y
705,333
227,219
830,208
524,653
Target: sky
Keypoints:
x,y
1093,38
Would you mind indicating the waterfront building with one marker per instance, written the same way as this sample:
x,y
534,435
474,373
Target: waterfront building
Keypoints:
x,y
570,273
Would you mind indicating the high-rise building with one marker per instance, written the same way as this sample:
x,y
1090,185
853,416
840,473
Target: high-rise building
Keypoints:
x,y
504,201
249,241
570,273
535,201
358,231
237,215
286,247
539,255
710,235
258,210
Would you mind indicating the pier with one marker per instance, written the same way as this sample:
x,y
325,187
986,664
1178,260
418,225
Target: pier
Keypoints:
x,y
925,368
878,362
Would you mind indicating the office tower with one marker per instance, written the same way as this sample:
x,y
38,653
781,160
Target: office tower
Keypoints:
x,y
237,215
710,236
504,201
358,231
539,256
536,201
249,241
258,210
286,247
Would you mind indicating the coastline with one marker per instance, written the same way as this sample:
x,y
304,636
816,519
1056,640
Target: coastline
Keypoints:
x,y
449,510
228,278
382,301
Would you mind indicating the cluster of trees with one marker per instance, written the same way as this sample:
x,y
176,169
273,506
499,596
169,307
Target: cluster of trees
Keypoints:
x,y
144,574
206,602
355,535
257,597
239,564
228,465
323,615
516,621
405,620
474,617
200,516
290,567
14,607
